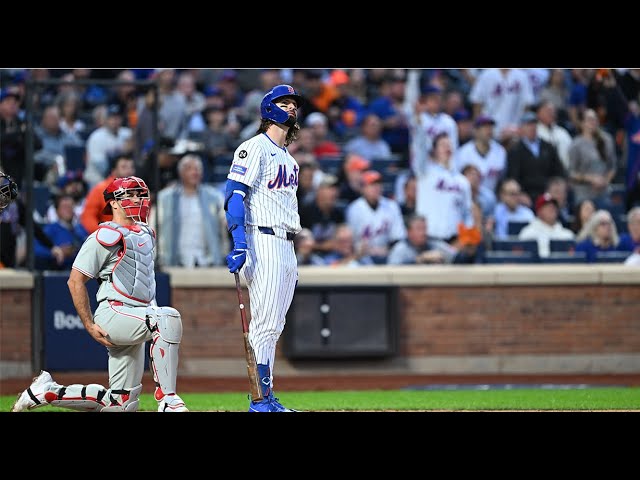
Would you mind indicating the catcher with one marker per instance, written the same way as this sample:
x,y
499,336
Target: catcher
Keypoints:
x,y
119,254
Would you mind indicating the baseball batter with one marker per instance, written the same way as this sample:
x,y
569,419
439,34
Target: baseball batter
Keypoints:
x,y
119,254
262,216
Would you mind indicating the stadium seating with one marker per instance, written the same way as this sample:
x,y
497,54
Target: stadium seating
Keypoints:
x,y
501,256
74,158
41,199
562,245
565,257
513,228
611,257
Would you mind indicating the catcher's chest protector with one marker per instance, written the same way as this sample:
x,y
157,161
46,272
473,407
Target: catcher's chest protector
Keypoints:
x,y
134,274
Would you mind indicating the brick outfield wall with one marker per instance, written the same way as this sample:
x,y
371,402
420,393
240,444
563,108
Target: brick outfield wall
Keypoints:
x,y
433,320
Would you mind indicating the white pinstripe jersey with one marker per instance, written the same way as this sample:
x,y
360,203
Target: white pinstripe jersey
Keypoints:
x,y
492,166
272,175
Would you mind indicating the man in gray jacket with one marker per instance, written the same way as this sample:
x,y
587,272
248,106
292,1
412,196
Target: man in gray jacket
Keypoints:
x,y
192,220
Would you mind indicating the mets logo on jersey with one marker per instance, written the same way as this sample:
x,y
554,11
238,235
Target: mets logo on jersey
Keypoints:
x,y
283,179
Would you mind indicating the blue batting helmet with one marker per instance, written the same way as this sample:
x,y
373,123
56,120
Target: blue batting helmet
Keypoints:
x,y
268,107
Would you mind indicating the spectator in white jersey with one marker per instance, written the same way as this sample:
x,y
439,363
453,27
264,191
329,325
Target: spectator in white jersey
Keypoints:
x,y
376,220
427,122
443,195
503,94
192,220
485,153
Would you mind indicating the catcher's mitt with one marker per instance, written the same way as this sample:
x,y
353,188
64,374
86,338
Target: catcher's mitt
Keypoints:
x,y
8,191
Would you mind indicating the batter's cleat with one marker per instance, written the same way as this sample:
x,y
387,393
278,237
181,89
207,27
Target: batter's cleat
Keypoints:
x,y
33,397
172,403
269,404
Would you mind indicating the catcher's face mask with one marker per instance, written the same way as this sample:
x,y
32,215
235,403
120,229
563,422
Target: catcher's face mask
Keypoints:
x,y
8,191
132,194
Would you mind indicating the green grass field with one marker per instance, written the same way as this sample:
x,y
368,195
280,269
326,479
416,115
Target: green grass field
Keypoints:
x,y
605,398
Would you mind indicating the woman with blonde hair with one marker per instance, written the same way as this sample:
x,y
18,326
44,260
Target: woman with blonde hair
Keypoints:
x,y
599,234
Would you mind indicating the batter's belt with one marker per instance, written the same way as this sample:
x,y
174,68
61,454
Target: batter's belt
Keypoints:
x,y
277,231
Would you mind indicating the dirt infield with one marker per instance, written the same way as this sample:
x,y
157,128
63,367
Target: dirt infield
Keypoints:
x,y
338,382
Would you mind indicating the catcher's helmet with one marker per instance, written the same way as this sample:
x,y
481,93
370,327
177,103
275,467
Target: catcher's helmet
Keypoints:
x,y
8,190
122,189
268,107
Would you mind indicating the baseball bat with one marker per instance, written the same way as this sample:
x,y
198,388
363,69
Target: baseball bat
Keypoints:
x,y
252,367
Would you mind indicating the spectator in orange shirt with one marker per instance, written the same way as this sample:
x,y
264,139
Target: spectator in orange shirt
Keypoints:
x,y
92,215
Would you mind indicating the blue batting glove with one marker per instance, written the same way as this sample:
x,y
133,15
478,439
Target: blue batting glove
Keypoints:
x,y
237,257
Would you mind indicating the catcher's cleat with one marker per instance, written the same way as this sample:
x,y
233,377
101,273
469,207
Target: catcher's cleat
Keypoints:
x,y
34,396
172,403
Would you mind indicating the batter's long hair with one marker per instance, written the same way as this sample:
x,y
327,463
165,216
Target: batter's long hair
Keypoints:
x,y
292,134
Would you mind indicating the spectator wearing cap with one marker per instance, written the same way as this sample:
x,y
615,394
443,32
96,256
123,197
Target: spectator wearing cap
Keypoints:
x,y
532,161
323,214
376,220
465,125
417,248
427,122
121,166
350,177
317,92
50,159
66,234
549,131
509,208
345,112
503,94
485,153
230,90
599,234
12,136
369,143
443,194
545,226
106,140
389,106
592,160
219,138
325,146
72,184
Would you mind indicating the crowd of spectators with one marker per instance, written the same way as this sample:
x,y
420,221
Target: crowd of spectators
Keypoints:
x,y
397,166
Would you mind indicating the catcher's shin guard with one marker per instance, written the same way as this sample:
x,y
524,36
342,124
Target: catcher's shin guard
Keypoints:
x,y
125,400
85,398
165,324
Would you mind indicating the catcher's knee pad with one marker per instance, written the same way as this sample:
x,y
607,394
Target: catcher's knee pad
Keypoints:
x,y
124,400
166,321
85,398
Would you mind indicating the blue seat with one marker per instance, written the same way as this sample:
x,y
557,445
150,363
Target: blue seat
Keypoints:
x,y
41,199
516,246
562,245
513,227
611,257
501,256
74,157
330,165
565,257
